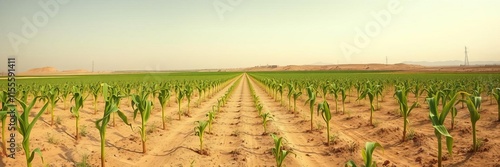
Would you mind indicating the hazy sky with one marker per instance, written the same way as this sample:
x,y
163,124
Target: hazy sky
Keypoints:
x,y
194,34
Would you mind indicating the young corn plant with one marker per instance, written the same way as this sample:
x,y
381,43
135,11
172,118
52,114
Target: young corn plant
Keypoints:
x,y
199,131
211,118
473,104
52,96
280,90
367,154
259,108
278,151
369,91
402,98
95,94
496,94
343,95
437,120
24,127
110,107
291,90
311,100
266,117
65,91
335,92
141,105
75,110
180,96
296,95
324,109
188,93
163,97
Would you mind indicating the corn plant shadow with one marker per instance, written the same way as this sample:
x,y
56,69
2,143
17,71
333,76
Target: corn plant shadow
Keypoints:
x,y
92,138
67,153
494,124
462,163
245,150
120,148
249,117
311,146
252,124
307,152
173,150
248,150
249,134
63,130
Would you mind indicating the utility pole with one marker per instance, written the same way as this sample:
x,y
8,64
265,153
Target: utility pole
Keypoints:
x,y
386,61
466,62
92,66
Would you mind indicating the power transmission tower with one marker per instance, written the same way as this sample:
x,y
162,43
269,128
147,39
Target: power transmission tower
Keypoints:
x,y
466,62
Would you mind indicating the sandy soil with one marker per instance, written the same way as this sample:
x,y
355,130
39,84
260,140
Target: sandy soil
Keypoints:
x,y
237,139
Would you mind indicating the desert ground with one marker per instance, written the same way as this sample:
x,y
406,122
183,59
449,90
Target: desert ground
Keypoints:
x,y
237,138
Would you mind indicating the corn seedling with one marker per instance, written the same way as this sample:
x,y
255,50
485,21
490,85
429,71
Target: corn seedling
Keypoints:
x,y
52,96
278,151
259,108
311,100
291,91
473,104
296,95
266,117
334,90
369,91
188,93
96,88
324,109
180,95
496,94
343,95
24,127
211,118
367,154
199,131
75,110
65,91
141,105
163,97
405,110
438,124
110,107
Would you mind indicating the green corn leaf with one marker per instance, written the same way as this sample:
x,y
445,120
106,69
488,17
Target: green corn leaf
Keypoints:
x,y
368,152
32,156
350,163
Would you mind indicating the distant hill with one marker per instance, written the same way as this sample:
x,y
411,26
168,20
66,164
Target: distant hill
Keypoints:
x,y
451,63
